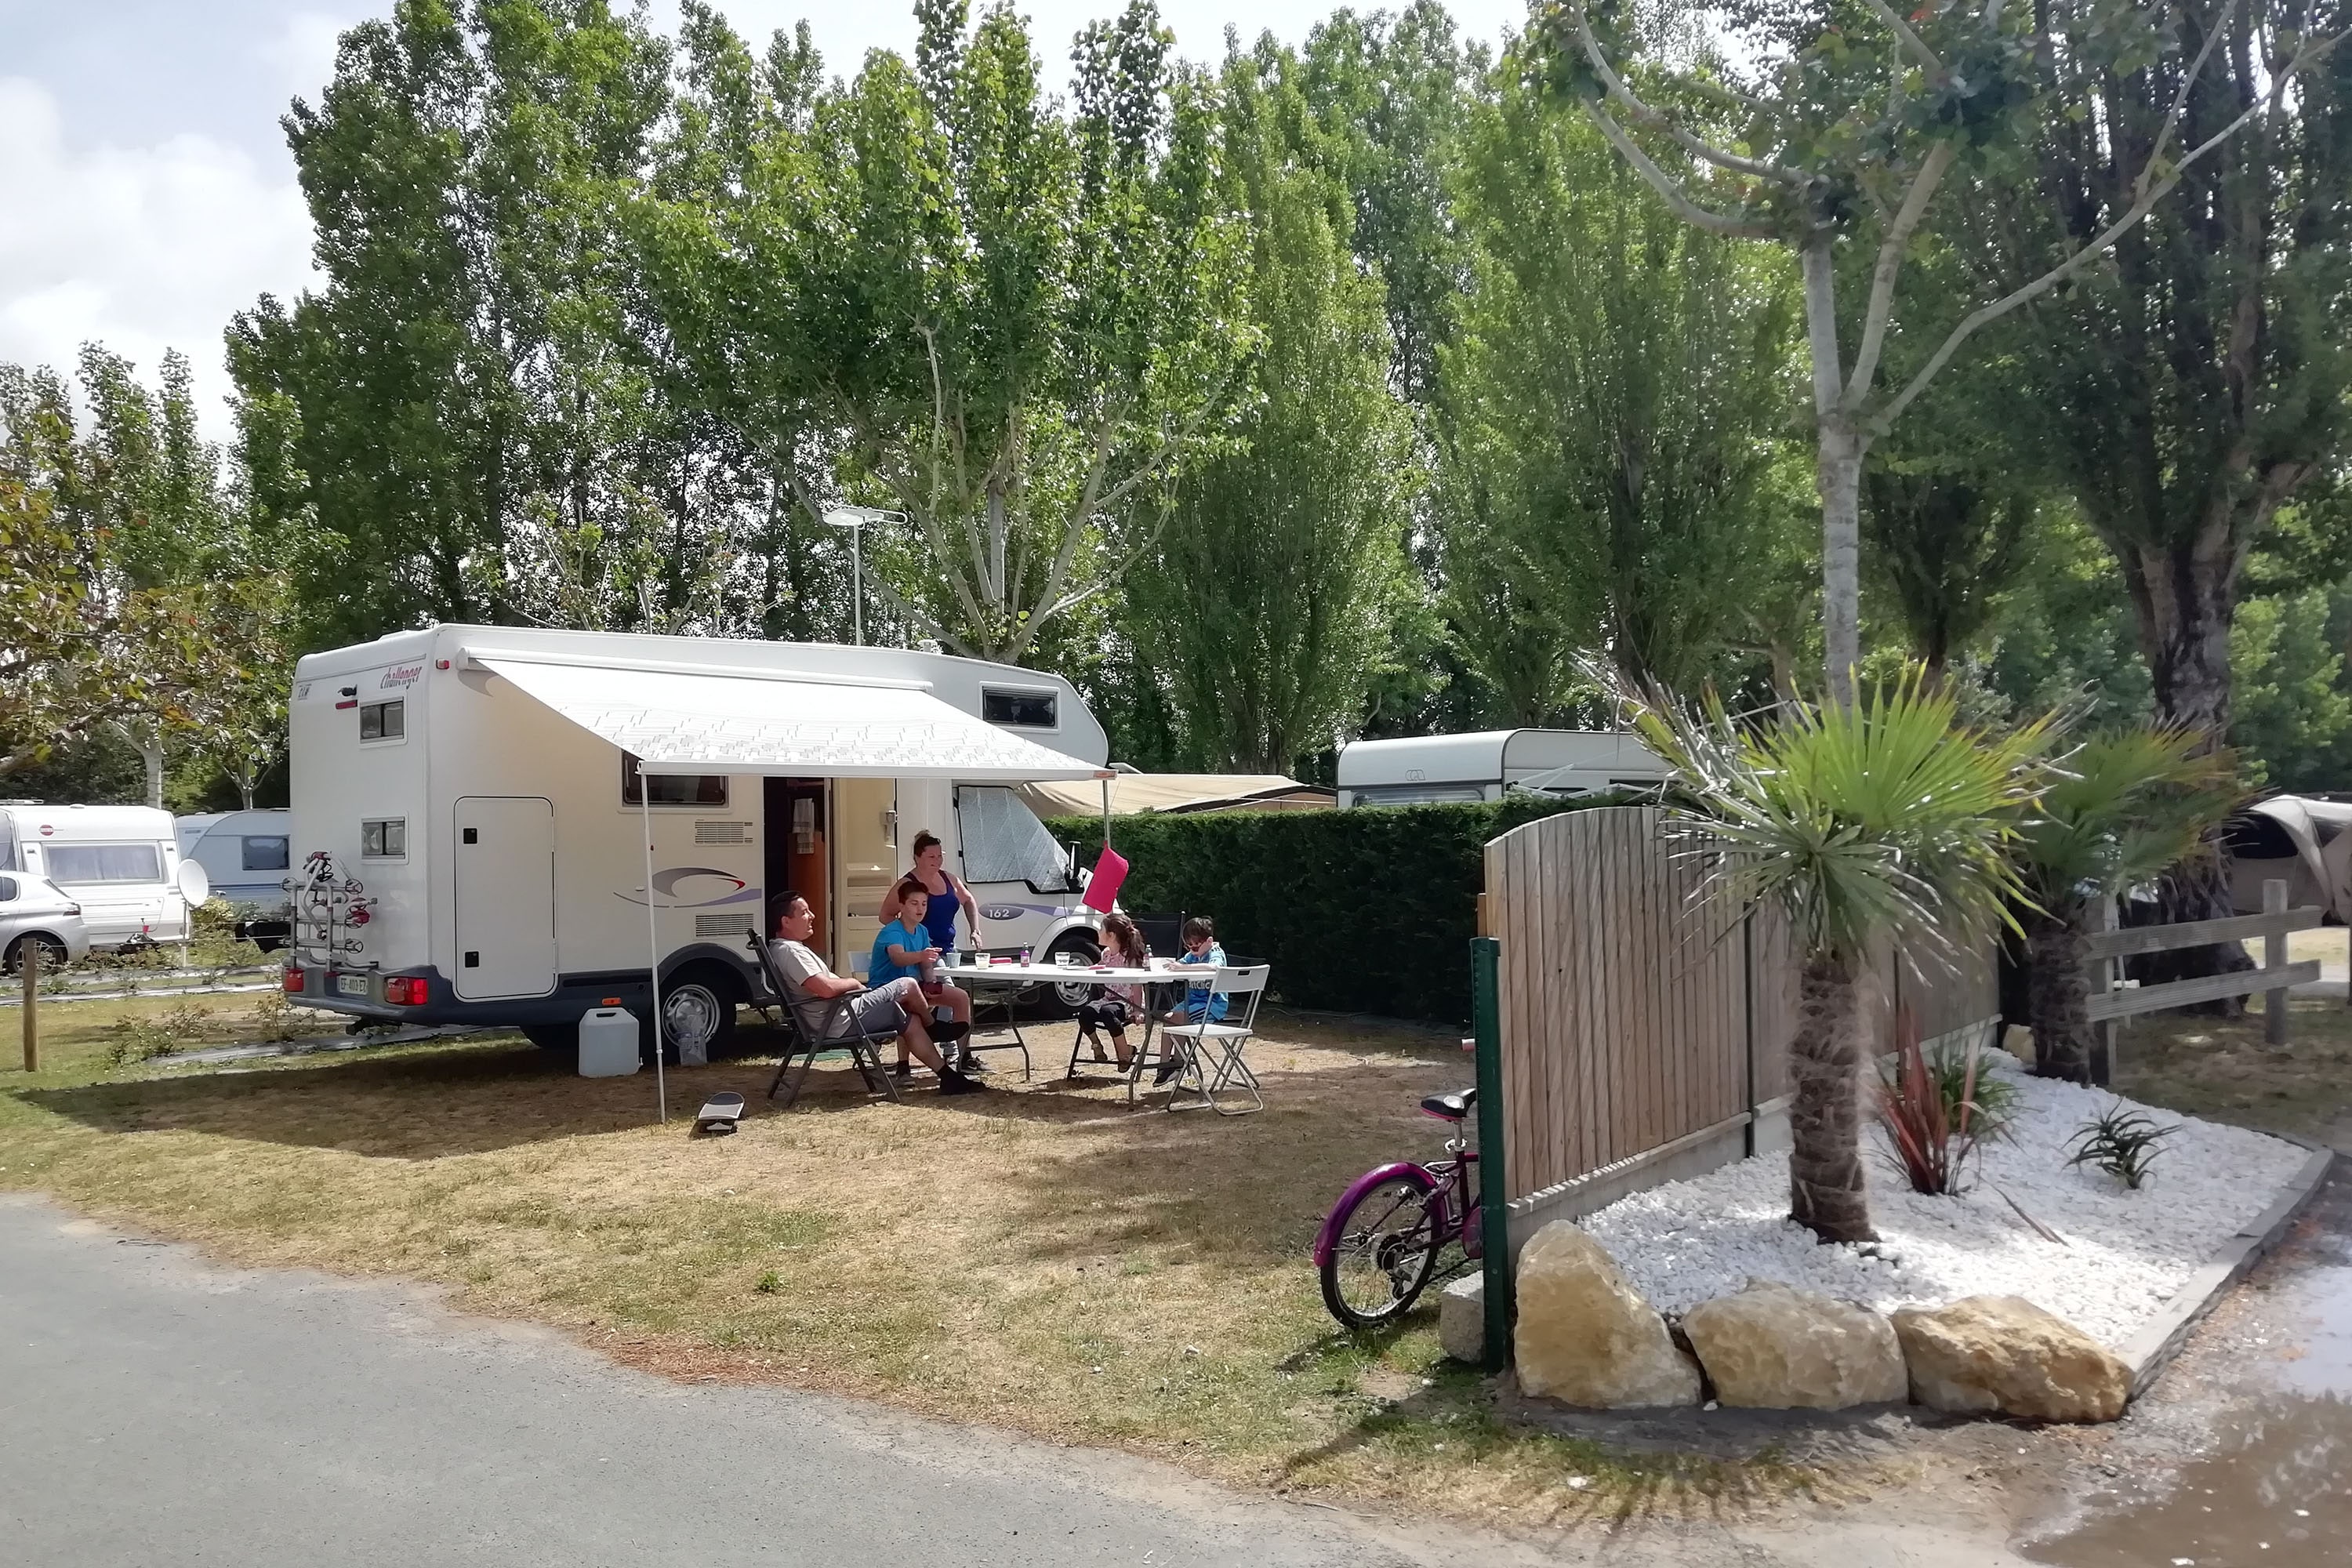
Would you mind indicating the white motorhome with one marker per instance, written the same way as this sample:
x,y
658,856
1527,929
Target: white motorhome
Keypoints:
x,y
120,863
468,823
248,857
1421,770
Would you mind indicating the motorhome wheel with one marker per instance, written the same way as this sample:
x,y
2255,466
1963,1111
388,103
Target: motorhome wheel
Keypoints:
x,y
698,1021
1085,950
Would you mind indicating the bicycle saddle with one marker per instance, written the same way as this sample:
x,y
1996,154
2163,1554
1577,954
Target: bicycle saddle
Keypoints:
x,y
1449,1107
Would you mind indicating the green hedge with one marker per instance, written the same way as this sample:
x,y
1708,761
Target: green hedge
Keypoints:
x,y
1365,911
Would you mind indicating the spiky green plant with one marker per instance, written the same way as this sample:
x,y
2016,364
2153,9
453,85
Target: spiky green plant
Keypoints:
x,y
1886,821
2123,1143
2118,810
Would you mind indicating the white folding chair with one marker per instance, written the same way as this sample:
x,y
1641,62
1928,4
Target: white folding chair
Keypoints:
x,y
1212,1051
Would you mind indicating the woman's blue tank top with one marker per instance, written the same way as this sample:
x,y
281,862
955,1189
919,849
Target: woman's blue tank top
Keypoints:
x,y
940,917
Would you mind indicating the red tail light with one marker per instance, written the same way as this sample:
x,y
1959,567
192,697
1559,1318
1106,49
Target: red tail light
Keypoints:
x,y
294,979
405,991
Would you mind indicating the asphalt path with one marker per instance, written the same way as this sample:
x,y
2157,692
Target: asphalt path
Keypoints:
x,y
157,1410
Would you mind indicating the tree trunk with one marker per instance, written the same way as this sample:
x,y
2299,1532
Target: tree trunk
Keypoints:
x,y
1839,447
2058,990
1838,476
151,753
1826,1194
2184,598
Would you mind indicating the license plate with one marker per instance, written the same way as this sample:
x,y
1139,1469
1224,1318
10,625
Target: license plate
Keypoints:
x,y
351,985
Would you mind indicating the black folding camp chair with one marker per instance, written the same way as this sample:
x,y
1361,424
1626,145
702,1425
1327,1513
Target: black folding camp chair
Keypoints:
x,y
806,1043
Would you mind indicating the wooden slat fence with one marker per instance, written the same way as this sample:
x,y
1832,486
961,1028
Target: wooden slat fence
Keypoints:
x,y
1644,1026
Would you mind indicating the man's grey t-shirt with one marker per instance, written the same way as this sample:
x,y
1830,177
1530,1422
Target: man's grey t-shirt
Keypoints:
x,y
799,967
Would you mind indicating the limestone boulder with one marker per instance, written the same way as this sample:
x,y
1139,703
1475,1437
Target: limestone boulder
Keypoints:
x,y
1462,1319
2003,1353
1585,1336
1773,1348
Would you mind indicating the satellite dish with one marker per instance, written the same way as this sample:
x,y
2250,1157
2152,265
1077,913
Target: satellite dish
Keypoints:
x,y
195,886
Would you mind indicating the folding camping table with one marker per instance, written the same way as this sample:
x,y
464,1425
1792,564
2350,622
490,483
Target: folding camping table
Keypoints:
x,y
1010,979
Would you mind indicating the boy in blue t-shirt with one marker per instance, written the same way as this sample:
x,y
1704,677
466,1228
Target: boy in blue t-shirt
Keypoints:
x,y
903,948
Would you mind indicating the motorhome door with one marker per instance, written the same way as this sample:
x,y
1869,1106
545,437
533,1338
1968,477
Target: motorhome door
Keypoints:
x,y
865,860
505,850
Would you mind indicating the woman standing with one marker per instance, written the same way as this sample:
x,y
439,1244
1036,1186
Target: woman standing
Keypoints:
x,y
948,893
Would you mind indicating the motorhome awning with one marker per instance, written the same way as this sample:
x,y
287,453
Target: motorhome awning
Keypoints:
x,y
684,721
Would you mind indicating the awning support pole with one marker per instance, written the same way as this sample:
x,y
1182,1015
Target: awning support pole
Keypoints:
x,y
1106,783
653,937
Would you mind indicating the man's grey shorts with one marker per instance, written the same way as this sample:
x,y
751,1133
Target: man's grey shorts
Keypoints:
x,y
871,1012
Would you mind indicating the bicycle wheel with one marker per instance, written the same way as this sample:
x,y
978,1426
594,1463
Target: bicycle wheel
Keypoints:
x,y
1388,1245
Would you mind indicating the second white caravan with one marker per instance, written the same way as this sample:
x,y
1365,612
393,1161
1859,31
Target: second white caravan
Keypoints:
x,y
467,816
120,863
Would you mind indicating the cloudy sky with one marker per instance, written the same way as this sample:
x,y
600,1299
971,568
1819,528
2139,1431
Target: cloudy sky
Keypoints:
x,y
145,186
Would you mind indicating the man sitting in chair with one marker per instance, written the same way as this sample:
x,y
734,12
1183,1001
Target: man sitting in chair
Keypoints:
x,y
898,1005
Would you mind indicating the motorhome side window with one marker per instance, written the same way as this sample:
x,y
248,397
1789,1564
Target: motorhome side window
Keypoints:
x,y
384,838
265,853
383,721
1019,709
671,789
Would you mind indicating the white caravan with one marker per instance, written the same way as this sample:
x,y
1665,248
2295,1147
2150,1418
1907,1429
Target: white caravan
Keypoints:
x,y
1419,769
120,863
467,814
248,858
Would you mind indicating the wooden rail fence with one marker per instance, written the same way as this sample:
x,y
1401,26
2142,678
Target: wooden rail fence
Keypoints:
x,y
2112,1001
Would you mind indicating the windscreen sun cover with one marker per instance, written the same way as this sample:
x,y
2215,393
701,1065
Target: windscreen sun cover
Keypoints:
x,y
683,721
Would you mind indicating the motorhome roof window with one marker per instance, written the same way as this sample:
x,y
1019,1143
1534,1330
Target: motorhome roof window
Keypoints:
x,y
384,838
672,789
265,852
1018,709
104,862
383,721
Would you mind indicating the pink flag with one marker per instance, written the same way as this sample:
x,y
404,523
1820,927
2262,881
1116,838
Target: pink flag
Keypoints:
x,y
1102,888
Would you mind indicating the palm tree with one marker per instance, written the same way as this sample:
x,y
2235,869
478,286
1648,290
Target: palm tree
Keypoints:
x,y
1889,821
2120,810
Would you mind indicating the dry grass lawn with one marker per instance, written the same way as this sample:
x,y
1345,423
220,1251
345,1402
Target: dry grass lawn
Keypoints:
x,y
1037,1257
2220,1068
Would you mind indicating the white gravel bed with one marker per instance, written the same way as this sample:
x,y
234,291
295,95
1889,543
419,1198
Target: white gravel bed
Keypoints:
x,y
2126,1252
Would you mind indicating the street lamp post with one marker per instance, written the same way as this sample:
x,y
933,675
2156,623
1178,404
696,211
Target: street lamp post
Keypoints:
x,y
855,518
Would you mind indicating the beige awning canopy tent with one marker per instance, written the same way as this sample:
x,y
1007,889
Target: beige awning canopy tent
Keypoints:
x,y
701,720
2314,857
1173,791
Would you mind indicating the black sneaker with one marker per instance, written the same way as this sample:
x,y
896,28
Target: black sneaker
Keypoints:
x,y
903,1072
971,1063
954,1082
1167,1069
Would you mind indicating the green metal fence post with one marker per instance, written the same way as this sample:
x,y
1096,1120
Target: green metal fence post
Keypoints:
x,y
1486,1026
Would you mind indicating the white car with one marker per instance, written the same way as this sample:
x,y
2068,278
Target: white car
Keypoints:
x,y
34,911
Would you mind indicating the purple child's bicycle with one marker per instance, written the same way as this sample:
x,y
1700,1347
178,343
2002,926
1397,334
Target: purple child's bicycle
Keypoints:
x,y
1379,1247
